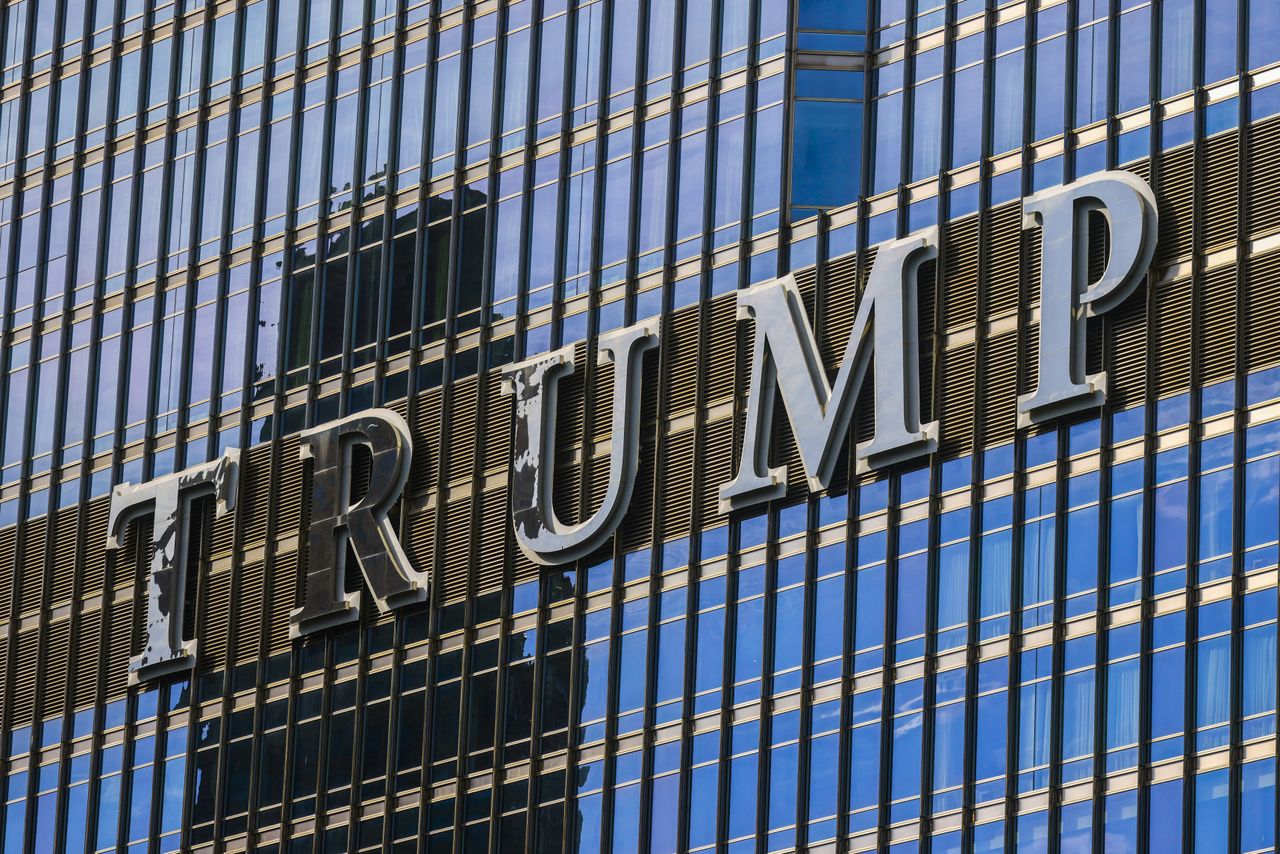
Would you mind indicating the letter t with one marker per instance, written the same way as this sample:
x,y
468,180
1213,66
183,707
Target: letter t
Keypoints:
x,y
169,498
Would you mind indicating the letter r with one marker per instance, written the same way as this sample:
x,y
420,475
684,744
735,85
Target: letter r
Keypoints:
x,y
365,526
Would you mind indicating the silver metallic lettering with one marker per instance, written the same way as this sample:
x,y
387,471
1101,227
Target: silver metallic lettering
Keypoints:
x,y
1067,299
168,498
543,537
364,526
786,358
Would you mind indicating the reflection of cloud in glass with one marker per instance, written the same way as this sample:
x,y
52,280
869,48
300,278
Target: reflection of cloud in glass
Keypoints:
x,y
908,724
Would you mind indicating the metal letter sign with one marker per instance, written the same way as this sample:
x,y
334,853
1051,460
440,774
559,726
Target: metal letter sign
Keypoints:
x,y
786,358
164,650
543,537
1067,299
365,526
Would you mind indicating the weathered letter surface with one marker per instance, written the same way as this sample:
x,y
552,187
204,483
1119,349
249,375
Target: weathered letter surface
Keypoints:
x,y
364,526
164,650
544,538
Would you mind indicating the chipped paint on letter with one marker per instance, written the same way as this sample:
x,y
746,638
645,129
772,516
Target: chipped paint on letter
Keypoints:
x,y
169,498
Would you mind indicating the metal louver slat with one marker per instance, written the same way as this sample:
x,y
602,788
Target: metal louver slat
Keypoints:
x,y
283,595
1263,326
570,433
88,636
840,306
523,569
24,681
499,412
399,407
593,477
1173,337
597,479
249,577
462,429
456,564
8,567
31,579
491,561
1028,362
1175,196
721,368
864,411
1218,331
1126,353
958,374
63,541
999,389
927,330
289,505
1029,343
681,347
715,466
119,648
600,387
1221,185
93,572
960,274
1004,248
258,496
1264,177
361,471
418,537
222,536
637,527
215,624
57,647
426,424
132,560
676,501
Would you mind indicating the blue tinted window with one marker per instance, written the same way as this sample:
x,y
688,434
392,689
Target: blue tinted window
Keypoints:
x,y
1123,703
887,143
869,621
988,838
864,767
704,792
997,462
1263,386
992,736
833,14
1211,817
1092,80
948,746
783,762
1050,69
1221,26
1122,823
742,794
1077,827
1169,671
1033,833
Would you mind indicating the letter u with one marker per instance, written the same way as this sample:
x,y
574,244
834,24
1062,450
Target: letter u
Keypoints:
x,y
542,536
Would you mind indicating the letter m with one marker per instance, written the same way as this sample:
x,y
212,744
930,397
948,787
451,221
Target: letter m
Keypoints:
x,y
885,337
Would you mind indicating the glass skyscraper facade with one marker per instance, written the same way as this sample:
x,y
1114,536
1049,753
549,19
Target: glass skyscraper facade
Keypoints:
x,y
223,224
